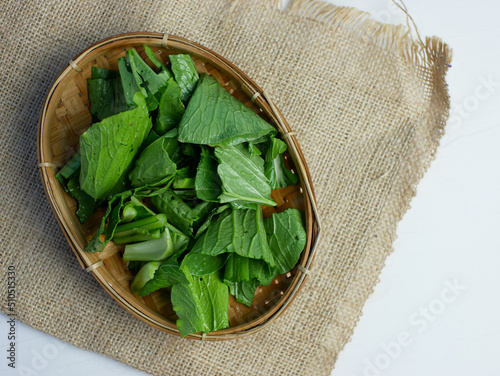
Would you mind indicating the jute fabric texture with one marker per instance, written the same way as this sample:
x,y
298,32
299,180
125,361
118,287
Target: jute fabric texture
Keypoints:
x,y
369,106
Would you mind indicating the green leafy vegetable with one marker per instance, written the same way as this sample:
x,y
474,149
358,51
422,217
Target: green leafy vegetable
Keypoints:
x,y
141,230
115,204
201,304
185,74
107,148
184,179
101,98
168,274
206,223
106,95
69,177
148,82
180,241
145,274
135,209
86,204
129,85
200,265
154,165
239,269
214,117
203,210
72,166
98,72
274,168
150,250
170,109
244,291
164,73
242,175
207,181
217,237
286,237
239,231
176,210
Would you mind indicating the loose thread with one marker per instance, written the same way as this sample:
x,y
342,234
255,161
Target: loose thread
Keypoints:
x,y
403,7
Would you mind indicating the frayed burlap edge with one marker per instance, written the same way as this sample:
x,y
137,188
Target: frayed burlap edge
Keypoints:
x,y
430,61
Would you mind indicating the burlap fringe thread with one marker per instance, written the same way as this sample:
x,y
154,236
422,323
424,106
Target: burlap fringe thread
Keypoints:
x,y
361,24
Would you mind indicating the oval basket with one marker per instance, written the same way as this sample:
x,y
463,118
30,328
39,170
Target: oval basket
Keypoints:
x,y
65,116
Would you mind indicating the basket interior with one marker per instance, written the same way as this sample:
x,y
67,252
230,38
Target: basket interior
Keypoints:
x,y
67,116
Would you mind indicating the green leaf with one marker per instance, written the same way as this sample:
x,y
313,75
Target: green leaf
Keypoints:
x,y
101,94
86,204
135,210
106,95
187,195
146,228
200,265
114,207
150,250
249,237
244,291
69,177
203,210
242,175
129,85
170,109
177,211
253,149
180,240
120,104
279,176
98,72
274,168
69,168
217,237
239,269
239,231
165,73
207,181
206,223
168,274
108,148
148,82
185,74
201,304
286,237
153,165
145,274
214,117
151,137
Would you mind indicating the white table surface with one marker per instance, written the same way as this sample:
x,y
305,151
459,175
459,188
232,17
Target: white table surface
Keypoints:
x,y
436,308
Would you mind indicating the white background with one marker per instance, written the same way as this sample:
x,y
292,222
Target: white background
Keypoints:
x,y
448,238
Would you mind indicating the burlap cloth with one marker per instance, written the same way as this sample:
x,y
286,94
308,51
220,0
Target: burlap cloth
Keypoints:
x,y
368,104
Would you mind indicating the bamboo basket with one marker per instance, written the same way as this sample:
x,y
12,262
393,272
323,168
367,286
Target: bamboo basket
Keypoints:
x,y
65,116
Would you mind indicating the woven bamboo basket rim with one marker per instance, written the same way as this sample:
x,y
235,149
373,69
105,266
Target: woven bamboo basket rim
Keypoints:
x,y
258,97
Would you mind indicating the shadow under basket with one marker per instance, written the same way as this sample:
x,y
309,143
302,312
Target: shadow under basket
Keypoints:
x,y
65,116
